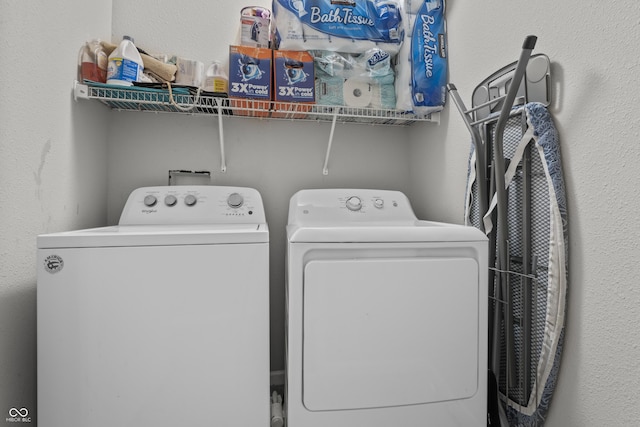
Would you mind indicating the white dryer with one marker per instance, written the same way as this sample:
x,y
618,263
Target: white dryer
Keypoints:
x,y
162,320
386,314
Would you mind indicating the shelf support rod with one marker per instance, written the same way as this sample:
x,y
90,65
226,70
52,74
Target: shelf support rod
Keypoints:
x,y
223,163
325,168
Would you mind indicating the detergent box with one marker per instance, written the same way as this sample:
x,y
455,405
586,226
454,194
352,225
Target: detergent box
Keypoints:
x,y
250,80
293,78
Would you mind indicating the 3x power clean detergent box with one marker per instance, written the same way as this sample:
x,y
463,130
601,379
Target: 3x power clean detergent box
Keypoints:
x,y
293,75
259,75
250,80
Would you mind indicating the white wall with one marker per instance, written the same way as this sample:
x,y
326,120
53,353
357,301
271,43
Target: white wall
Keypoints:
x,y
52,169
595,64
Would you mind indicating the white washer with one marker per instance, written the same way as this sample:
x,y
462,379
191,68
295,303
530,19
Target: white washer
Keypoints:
x,y
386,315
160,321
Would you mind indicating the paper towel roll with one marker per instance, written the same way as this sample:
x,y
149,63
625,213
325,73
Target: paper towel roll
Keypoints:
x,y
356,93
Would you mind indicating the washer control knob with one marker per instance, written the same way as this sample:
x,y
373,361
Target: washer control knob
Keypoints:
x,y
378,203
235,200
170,200
150,200
354,203
190,200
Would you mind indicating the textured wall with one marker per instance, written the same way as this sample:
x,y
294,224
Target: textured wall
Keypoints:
x,y
595,66
52,166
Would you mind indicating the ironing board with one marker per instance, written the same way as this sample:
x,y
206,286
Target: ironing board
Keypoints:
x,y
528,299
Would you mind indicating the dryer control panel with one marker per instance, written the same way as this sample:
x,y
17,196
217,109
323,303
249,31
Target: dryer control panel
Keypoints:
x,y
193,204
349,205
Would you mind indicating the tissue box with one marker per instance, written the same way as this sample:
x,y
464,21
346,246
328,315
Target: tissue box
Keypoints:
x,y
250,83
293,76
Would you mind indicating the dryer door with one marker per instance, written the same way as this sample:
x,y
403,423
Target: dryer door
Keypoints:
x,y
388,332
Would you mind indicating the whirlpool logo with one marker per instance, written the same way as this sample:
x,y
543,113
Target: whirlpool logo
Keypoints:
x,y
18,415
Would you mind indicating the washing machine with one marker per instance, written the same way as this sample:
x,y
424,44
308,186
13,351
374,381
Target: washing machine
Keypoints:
x,y
386,314
162,320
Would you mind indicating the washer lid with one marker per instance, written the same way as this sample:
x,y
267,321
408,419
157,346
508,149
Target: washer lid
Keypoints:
x,y
156,235
414,231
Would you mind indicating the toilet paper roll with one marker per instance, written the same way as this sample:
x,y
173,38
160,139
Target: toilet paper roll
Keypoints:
x,y
356,93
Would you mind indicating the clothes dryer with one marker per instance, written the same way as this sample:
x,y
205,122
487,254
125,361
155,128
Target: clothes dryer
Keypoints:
x,y
162,320
386,314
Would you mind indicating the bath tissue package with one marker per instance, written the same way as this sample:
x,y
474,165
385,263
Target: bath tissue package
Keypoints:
x,y
359,81
339,25
422,61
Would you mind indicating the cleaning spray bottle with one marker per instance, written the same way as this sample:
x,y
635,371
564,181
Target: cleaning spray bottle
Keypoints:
x,y
125,64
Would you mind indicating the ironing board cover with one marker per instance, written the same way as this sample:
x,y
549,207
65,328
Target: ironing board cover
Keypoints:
x,y
549,245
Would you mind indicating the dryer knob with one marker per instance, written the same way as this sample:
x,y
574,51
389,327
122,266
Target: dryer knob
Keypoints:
x,y
150,200
354,203
235,200
378,203
190,200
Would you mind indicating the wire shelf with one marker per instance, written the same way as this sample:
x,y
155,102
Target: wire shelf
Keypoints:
x,y
135,99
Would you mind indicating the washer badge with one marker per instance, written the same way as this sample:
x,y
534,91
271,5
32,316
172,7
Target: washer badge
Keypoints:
x,y
53,264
